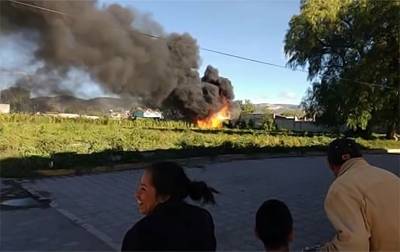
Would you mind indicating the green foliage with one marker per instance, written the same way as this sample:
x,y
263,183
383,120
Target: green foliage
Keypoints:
x,y
292,113
268,123
247,107
39,142
251,124
24,135
138,123
352,49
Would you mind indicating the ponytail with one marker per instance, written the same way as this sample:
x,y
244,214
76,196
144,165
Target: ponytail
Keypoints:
x,y
200,191
169,179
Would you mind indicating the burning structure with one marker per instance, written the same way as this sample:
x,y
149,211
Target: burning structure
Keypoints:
x,y
120,51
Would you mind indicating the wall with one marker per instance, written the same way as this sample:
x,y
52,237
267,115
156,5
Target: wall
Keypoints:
x,y
292,124
5,108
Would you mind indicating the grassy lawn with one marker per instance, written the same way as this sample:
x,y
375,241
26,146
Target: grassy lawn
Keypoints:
x,y
31,143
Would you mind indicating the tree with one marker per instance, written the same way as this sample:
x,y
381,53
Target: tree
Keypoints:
x,y
268,120
352,52
242,124
292,113
17,97
251,124
247,107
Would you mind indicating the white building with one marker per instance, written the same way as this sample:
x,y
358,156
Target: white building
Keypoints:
x,y
4,108
148,113
292,123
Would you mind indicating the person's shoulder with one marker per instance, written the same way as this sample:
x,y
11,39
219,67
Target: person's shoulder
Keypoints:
x,y
143,224
198,211
137,226
339,183
371,176
338,188
384,173
132,236
334,188
144,227
137,237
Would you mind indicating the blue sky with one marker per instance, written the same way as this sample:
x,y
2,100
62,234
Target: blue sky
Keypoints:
x,y
253,29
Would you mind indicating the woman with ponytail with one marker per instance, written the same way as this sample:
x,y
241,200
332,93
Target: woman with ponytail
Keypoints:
x,y
170,223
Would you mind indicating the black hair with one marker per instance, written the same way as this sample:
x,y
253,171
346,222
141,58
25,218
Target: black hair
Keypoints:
x,y
274,224
340,147
169,179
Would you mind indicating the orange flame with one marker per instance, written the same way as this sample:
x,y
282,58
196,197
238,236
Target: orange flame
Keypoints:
x,y
216,119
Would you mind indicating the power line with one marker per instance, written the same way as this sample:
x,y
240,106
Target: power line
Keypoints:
x,y
227,54
40,8
246,58
159,37
15,72
206,49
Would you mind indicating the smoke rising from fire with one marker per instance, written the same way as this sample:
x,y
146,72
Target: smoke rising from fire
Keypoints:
x,y
104,43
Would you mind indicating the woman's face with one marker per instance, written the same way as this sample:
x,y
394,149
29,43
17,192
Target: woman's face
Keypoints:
x,y
146,194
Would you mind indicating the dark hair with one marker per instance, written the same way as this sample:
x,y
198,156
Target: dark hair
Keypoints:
x,y
170,179
340,147
274,224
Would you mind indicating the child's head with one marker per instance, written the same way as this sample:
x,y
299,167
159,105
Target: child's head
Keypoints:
x,y
274,225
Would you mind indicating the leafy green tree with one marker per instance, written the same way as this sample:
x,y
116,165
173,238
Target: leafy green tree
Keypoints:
x,y
268,122
293,113
247,107
251,124
351,49
268,119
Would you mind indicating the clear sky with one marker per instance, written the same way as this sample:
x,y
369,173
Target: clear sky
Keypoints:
x,y
253,29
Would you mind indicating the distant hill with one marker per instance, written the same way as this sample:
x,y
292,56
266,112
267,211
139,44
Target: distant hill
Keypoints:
x,y
102,105
70,104
279,108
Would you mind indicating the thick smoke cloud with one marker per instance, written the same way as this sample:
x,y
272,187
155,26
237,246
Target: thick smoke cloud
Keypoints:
x,y
104,43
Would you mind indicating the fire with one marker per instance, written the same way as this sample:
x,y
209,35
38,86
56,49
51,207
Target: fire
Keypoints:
x,y
216,119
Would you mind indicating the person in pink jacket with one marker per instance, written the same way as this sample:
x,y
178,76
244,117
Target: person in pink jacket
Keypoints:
x,y
363,202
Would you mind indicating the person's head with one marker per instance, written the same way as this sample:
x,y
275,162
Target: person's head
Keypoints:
x,y
339,151
274,225
166,181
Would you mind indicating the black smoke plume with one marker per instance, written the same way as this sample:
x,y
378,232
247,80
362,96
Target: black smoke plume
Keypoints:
x,y
104,42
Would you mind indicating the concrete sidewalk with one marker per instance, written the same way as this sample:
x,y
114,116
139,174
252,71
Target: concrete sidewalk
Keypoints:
x,y
41,228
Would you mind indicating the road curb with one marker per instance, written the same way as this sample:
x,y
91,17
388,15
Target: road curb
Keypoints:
x,y
393,151
69,215
201,159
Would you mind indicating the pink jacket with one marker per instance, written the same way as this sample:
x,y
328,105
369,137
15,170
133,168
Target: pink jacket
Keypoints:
x,y
363,205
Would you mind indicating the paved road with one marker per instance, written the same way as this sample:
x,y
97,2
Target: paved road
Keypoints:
x,y
104,203
44,229
41,228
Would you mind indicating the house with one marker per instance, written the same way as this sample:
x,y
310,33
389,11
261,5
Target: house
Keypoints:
x,y
147,113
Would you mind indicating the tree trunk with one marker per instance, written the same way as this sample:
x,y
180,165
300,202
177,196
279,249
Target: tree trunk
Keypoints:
x,y
391,131
364,133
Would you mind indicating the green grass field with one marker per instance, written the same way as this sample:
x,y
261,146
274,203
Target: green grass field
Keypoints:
x,y
29,143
